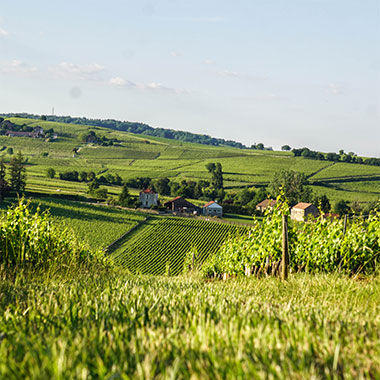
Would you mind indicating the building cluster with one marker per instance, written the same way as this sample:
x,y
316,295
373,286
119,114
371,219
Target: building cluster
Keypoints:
x,y
149,198
300,212
38,132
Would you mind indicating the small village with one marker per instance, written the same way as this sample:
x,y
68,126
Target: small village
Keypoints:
x,y
179,206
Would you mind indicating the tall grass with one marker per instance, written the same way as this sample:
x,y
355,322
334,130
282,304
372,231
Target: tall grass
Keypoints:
x,y
113,325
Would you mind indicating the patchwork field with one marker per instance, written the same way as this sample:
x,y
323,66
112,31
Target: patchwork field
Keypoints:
x,y
142,156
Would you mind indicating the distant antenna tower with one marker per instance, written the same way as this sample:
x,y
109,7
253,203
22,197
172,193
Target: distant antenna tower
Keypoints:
x,y
52,111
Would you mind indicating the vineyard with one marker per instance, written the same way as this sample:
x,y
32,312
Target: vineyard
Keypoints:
x,y
321,245
97,226
162,245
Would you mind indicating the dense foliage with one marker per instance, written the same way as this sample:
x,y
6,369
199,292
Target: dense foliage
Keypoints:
x,y
350,157
320,245
32,239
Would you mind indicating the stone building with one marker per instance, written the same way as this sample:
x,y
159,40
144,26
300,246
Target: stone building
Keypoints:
x,y
148,198
303,211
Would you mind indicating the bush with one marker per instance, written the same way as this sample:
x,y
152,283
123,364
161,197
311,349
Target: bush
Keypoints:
x,y
50,173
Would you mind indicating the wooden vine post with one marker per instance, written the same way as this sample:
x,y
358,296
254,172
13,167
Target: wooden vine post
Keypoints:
x,y
345,225
285,248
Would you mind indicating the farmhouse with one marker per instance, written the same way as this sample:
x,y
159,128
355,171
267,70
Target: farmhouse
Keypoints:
x,y
148,198
37,132
180,204
212,209
302,211
266,204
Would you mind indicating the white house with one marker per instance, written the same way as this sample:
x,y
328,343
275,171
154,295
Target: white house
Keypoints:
x,y
212,209
148,198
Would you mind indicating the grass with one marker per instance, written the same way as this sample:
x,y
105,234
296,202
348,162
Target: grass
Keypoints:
x,y
88,324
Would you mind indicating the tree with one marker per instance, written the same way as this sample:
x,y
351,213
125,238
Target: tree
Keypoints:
x,y
211,167
50,173
17,172
260,146
293,184
43,117
4,186
92,186
91,176
323,203
341,207
124,197
162,186
83,176
286,147
10,150
218,177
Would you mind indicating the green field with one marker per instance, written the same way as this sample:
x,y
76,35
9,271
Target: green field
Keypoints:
x,y
143,156
162,244
110,325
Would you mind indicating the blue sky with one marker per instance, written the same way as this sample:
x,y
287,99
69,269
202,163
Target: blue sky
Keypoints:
x,y
297,72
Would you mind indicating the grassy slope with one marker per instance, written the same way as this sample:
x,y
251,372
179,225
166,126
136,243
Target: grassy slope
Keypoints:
x,y
139,155
112,325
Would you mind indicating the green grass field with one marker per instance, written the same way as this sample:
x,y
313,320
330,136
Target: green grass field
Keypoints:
x,y
162,243
138,155
88,325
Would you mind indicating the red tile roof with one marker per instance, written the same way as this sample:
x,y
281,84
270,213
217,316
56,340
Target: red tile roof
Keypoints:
x,y
211,203
267,203
148,191
302,205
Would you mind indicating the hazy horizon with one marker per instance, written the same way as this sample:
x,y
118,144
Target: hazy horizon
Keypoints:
x,y
303,73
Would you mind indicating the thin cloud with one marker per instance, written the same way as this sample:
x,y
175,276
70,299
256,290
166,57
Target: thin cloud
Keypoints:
x,y
209,62
210,19
3,33
175,54
17,67
335,88
120,82
228,73
92,71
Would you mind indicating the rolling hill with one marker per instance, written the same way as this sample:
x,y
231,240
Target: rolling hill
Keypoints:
x,y
137,155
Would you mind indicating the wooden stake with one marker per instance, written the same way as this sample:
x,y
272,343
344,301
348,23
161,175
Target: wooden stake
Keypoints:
x,y
345,225
285,252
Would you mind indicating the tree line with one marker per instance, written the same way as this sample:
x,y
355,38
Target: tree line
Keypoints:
x,y
342,156
138,128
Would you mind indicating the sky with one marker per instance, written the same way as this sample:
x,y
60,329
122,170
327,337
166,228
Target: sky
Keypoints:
x,y
296,72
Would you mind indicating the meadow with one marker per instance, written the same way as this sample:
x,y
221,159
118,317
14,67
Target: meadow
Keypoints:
x,y
89,324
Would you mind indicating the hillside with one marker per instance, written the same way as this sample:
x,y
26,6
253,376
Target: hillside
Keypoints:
x,y
138,128
133,155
